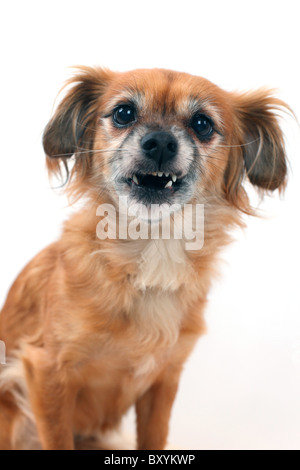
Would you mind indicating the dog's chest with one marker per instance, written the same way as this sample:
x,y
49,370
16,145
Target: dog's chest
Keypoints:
x,y
152,305
132,355
141,343
161,264
129,366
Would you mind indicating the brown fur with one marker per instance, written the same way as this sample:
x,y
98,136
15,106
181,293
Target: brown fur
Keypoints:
x,y
88,334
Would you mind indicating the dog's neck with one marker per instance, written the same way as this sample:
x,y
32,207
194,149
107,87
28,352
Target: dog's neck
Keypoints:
x,y
160,263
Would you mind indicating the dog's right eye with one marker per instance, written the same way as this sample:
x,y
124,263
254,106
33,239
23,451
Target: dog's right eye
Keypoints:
x,y
124,115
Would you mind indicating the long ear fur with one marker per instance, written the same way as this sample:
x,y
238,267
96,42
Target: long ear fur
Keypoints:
x,y
72,128
258,145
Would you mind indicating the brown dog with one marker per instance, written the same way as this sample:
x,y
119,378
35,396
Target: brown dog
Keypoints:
x,y
93,326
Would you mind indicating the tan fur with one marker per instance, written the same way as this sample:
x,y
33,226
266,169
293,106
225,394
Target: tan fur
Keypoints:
x,y
93,327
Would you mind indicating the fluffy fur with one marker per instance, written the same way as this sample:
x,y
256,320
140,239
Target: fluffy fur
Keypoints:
x,y
93,326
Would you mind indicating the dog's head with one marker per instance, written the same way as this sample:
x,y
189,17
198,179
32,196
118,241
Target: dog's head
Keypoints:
x,y
165,137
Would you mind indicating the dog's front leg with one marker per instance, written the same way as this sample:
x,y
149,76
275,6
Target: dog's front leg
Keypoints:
x,y
52,400
153,413
153,409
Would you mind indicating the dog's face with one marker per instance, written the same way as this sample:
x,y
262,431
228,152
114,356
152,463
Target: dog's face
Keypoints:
x,y
162,128
163,137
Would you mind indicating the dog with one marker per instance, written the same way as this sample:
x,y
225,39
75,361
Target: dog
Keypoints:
x,y
96,324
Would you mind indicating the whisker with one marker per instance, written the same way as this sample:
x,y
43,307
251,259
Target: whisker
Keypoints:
x,y
86,127
210,155
99,150
210,158
60,155
239,145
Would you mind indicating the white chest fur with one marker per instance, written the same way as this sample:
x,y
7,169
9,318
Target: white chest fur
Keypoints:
x,y
162,269
162,264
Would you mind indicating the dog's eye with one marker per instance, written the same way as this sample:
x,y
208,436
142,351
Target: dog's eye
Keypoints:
x,y
124,115
203,126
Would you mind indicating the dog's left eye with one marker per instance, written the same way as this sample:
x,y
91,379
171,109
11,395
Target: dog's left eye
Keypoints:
x,y
203,126
124,115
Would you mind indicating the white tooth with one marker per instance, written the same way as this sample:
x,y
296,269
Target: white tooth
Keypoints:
x,y
174,178
167,174
169,184
134,178
159,173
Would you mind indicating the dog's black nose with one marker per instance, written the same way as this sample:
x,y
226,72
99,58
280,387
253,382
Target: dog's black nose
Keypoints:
x,y
160,146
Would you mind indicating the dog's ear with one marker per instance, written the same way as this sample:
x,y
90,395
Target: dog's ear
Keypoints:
x,y
71,130
258,145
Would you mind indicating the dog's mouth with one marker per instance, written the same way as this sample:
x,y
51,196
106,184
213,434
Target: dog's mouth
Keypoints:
x,y
156,181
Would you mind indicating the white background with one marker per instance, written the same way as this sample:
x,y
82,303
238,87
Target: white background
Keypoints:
x,y
241,387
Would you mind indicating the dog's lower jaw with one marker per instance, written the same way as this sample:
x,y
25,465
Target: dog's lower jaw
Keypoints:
x,y
143,191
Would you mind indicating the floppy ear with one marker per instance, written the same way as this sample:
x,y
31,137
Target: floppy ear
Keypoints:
x,y
258,145
71,130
